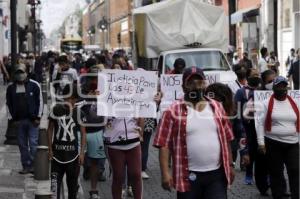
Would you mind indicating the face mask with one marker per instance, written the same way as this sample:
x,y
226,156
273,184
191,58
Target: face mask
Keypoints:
x,y
269,86
194,96
254,81
280,94
20,77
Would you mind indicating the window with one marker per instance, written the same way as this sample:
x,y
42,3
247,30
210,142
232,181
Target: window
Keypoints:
x,y
124,25
207,60
287,18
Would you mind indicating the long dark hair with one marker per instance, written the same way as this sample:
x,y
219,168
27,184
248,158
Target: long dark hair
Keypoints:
x,y
223,94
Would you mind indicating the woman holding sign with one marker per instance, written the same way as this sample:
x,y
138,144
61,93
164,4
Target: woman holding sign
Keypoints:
x,y
278,138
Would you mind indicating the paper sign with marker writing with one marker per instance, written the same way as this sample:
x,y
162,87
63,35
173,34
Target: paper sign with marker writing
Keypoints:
x,y
171,87
127,93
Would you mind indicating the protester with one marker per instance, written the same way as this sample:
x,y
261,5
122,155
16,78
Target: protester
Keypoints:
x,y
267,78
273,61
295,71
63,74
150,125
25,106
38,69
243,96
65,154
263,63
122,138
278,138
78,62
235,59
223,94
95,126
179,66
291,59
246,61
101,62
193,126
241,73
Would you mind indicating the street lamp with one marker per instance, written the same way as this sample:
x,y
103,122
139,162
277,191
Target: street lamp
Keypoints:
x,y
11,131
34,4
102,26
90,35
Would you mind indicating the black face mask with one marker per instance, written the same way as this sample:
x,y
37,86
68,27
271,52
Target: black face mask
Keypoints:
x,y
280,93
194,96
254,81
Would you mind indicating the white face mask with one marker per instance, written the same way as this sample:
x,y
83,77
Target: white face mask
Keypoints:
x,y
269,86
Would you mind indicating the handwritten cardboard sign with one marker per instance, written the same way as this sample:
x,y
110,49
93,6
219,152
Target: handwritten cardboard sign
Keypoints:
x,y
125,93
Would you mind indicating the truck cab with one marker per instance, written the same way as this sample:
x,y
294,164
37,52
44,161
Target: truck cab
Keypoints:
x,y
211,60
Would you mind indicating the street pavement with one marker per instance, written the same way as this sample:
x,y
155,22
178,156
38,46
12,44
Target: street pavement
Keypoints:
x,y
16,186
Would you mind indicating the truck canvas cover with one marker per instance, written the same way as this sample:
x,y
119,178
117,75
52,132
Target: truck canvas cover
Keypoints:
x,y
177,24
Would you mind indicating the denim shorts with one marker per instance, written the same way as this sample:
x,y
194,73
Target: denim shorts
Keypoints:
x,y
95,145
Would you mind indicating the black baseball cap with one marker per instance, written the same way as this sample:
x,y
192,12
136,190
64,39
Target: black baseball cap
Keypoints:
x,y
191,71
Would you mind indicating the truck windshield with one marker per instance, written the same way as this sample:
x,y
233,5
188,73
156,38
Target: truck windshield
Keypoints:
x,y
207,60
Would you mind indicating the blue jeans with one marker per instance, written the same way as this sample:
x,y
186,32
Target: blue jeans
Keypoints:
x,y
28,141
206,185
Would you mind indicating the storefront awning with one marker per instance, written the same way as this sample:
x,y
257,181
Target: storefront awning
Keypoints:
x,y
242,15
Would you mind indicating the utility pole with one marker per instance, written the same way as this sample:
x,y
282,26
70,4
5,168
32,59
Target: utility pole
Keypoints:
x,y
14,29
11,131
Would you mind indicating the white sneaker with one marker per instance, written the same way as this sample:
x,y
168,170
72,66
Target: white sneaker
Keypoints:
x,y
145,175
124,194
129,191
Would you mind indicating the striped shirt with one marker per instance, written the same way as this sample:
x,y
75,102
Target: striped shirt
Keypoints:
x,y
172,135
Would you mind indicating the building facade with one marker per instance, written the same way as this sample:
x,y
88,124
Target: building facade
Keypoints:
x,y
4,28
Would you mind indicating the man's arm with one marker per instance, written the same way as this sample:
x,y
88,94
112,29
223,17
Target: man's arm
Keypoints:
x,y
82,144
50,137
167,180
141,125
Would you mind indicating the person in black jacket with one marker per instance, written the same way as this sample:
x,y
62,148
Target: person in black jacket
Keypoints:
x,y
25,106
294,72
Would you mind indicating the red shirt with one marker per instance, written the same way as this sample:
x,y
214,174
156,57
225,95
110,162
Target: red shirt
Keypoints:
x,y
172,135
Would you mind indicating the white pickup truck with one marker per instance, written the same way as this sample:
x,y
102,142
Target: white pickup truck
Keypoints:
x,y
189,29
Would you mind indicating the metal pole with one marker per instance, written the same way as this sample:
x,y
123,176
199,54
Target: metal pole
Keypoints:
x,y
13,11
11,131
34,29
103,32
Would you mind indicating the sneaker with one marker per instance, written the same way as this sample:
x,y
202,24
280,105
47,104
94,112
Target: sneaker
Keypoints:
x,y
248,180
124,193
145,175
129,191
94,195
24,171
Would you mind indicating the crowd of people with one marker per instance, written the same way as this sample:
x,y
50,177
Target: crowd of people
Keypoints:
x,y
199,136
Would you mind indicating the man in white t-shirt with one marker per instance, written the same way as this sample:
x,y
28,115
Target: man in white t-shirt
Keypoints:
x,y
198,136
263,62
63,74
